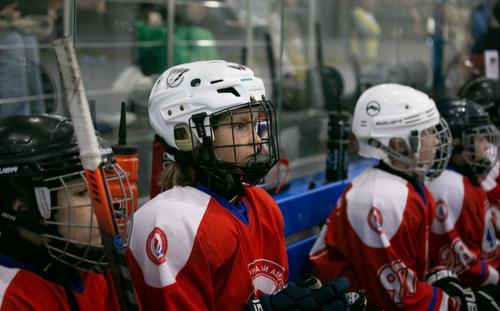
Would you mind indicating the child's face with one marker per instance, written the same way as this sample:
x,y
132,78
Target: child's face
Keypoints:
x,y
482,148
429,144
76,218
236,138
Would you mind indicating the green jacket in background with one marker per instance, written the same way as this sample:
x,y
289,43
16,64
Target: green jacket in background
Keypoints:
x,y
153,59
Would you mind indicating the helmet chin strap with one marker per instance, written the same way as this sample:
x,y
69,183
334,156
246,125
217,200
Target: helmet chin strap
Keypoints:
x,y
398,157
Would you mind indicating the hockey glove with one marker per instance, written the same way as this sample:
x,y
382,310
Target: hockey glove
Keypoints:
x,y
469,299
329,297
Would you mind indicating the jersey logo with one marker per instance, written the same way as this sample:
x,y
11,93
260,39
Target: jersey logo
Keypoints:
x,y
375,220
373,108
267,276
156,246
441,211
175,77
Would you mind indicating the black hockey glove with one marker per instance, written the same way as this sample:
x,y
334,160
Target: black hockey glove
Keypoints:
x,y
469,299
329,297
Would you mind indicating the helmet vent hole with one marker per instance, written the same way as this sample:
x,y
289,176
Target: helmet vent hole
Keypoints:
x,y
407,106
216,81
195,82
181,108
230,90
169,112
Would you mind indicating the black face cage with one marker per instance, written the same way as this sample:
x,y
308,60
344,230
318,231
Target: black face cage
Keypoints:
x,y
443,151
255,117
73,235
481,148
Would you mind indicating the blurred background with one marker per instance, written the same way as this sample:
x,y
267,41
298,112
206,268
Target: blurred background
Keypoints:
x,y
316,57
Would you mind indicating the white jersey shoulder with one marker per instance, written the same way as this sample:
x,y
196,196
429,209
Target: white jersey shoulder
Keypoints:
x,y
6,277
164,233
448,192
375,205
490,181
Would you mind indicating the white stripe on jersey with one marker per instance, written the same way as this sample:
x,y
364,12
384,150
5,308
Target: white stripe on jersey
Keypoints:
x,y
178,213
490,181
444,302
384,193
6,276
492,276
447,189
319,246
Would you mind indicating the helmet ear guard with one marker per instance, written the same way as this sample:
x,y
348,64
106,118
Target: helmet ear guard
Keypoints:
x,y
184,139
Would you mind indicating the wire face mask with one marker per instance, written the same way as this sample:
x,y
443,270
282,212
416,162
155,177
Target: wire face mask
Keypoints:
x,y
72,235
434,151
240,139
428,154
481,148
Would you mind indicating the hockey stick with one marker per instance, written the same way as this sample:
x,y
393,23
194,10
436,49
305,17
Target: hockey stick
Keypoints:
x,y
93,165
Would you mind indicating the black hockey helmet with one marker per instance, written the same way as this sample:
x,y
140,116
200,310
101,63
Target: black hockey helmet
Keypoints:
x,y
40,166
485,92
470,123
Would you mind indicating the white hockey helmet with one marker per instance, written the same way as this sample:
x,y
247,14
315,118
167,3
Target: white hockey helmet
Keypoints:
x,y
394,111
187,98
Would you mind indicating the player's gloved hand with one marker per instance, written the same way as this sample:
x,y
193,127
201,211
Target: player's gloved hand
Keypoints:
x,y
329,297
356,301
469,299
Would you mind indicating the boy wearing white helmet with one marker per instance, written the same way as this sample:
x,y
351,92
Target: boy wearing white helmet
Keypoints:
x,y
211,241
378,233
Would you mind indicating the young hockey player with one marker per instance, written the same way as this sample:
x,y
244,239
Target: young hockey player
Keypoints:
x,y
51,256
378,234
486,92
463,230
211,240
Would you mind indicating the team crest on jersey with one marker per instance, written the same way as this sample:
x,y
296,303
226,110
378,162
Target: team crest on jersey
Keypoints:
x,y
267,276
175,77
156,246
441,211
375,220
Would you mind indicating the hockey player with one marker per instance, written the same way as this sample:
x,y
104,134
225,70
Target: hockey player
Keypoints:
x,y
486,92
463,230
51,256
378,233
212,241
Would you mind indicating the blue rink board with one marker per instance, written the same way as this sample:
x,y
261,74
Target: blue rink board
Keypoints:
x,y
303,208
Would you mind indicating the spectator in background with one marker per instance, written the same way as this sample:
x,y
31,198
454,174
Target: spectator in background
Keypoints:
x,y
365,33
479,21
492,40
22,25
151,27
293,55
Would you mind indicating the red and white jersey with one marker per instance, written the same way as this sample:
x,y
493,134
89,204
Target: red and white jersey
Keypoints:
x,y
377,236
463,230
491,184
21,289
189,252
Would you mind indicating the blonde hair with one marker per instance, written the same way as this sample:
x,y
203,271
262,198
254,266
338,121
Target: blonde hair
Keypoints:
x,y
174,174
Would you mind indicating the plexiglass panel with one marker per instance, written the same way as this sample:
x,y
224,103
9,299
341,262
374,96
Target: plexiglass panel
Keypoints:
x,y
316,57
